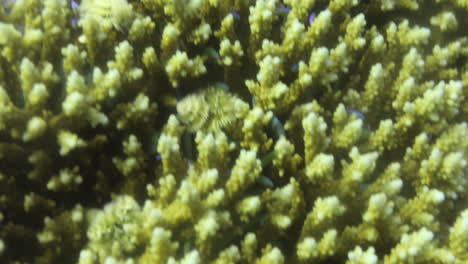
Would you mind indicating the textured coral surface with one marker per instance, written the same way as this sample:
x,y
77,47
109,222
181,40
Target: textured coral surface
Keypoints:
x,y
233,131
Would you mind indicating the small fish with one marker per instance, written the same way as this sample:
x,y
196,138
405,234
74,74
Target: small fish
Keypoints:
x,y
357,112
235,14
283,10
75,8
188,148
295,67
74,4
153,142
253,101
222,85
212,54
8,5
20,28
178,94
158,156
364,187
277,127
265,181
268,158
430,136
187,247
311,18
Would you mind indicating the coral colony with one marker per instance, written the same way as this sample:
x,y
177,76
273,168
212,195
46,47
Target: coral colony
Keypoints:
x,y
233,132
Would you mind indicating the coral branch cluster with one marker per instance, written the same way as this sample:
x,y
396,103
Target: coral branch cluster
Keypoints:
x,y
234,131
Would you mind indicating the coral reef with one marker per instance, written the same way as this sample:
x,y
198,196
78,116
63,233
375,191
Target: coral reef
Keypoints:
x,y
234,131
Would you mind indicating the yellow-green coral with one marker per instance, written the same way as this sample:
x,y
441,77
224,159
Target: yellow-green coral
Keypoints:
x,y
237,131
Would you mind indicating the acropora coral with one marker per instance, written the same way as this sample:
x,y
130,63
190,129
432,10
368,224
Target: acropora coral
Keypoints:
x,y
233,131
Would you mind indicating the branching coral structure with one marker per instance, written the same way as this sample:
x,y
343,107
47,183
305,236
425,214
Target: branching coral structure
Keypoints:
x,y
234,131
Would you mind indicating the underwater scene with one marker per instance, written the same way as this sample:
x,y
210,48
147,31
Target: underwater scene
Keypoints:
x,y
234,131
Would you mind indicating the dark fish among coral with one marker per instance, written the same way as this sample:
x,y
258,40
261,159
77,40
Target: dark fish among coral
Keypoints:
x,y
265,181
212,55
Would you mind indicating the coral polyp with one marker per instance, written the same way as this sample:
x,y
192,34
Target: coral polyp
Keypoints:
x,y
211,110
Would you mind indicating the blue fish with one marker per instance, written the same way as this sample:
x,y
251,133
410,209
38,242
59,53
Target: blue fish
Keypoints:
x,y
8,5
75,8
357,112
222,85
295,67
74,4
235,14
283,9
311,18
